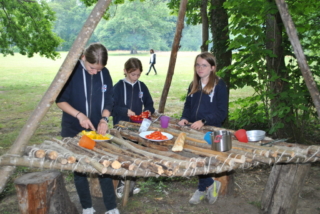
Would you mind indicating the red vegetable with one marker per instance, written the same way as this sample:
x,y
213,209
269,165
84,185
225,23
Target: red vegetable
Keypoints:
x,y
140,117
156,135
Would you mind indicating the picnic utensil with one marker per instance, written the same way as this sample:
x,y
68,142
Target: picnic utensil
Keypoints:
x,y
256,135
221,140
146,123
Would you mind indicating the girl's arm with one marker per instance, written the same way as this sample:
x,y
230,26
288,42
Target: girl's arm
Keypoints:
x,y
103,124
83,119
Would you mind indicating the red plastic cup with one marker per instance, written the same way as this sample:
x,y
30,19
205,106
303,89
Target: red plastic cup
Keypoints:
x,y
241,135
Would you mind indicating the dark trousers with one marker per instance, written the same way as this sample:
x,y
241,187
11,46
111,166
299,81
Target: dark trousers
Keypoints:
x,y
204,182
82,186
152,66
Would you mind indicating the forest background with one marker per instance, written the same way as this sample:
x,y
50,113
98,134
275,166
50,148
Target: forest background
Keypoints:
x,y
247,37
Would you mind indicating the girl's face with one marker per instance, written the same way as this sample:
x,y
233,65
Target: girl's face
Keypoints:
x,y
91,68
133,76
203,68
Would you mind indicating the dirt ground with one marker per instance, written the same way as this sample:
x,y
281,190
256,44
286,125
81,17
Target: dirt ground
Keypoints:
x,y
164,196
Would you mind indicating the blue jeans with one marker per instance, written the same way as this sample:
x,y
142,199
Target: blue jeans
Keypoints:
x,y
82,186
204,182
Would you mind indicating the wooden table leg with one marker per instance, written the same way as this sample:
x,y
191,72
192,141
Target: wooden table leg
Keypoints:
x,y
284,184
227,183
126,193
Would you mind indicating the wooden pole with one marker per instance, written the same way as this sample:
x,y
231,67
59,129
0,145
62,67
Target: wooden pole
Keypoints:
x,y
302,61
281,193
53,91
173,56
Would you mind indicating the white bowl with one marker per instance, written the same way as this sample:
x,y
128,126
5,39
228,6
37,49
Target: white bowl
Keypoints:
x,y
256,135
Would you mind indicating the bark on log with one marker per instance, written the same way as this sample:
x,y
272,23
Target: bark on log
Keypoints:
x,y
227,183
174,53
51,94
8,160
134,136
131,147
33,151
312,150
282,190
43,193
301,58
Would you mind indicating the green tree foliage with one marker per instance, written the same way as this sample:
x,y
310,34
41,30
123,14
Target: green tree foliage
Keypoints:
x,y
191,38
26,25
71,15
138,25
281,103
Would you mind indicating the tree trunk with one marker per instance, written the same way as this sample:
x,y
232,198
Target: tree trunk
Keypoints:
x,y
282,190
220,37
51,94
305,70
276,66
173,56
43,193
205,25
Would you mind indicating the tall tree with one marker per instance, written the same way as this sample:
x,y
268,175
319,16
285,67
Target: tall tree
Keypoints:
x,y
27,26
136,25
205,25
265,61
71,15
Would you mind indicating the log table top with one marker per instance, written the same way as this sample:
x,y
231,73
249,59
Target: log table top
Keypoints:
x,y
128,154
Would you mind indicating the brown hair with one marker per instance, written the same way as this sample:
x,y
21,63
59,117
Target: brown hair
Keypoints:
x,y
151,50
96,53
132,65
213,78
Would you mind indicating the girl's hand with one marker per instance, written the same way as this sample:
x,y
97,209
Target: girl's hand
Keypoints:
x,y
131,113
85,122
197,125
183,122
102,127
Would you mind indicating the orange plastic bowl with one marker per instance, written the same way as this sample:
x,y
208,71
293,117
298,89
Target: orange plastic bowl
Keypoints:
x,y
87,142
241,135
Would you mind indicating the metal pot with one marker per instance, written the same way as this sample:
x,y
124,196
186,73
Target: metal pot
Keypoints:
x,y
221,140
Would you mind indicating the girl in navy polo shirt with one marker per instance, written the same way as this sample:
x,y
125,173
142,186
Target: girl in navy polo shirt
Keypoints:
x,y
131,97
206,104
86,101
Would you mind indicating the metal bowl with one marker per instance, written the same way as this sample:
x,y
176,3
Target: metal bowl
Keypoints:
x,y
256,135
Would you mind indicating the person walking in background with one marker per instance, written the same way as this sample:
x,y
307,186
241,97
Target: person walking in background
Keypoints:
x,y
131,97
87,101
206,104
152,62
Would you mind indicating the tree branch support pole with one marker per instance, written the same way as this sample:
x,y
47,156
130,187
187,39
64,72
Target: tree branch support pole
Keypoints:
x,y
305,70
284,184
173,56
51,94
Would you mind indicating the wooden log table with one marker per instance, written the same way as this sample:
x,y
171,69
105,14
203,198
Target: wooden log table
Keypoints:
x,y
128,155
